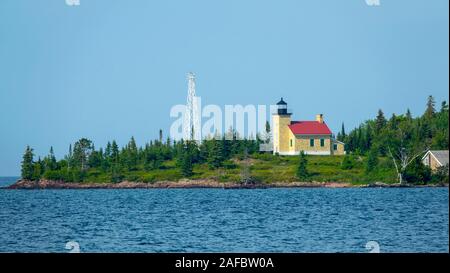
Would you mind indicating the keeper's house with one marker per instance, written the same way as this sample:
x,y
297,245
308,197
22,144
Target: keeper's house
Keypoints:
x,y
311,137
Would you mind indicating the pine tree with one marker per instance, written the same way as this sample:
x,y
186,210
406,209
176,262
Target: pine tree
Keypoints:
x,y
81,152
95,159
380,122
108,150
27,164
132,155
38,169
69,157
343,135
302,172
372,160
186,161
444,107
408,115
430,111
50,161
267,135
216,157
114,152
368,137
347,163
393,123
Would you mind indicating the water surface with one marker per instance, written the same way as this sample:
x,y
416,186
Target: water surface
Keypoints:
x,y
217,220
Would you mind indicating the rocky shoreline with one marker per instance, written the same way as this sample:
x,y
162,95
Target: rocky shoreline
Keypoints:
x,y
185,183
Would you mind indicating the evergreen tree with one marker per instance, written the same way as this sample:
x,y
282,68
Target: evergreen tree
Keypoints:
x,y
348,162
393,122
368,137
430,110
27,164
216,154
267,135
38,169
131,155
186,162
81,152
114,152
408,115
50,161
372,160
69,157
95,159
380,122
444,107
343,135
108,151
302,171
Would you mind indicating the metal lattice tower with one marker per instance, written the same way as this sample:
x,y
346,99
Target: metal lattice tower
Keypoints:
x,y
191,125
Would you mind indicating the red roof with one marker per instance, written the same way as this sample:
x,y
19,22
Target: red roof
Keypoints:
x,y
309,128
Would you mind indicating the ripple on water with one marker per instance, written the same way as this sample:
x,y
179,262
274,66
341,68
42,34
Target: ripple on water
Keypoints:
x,y
215,220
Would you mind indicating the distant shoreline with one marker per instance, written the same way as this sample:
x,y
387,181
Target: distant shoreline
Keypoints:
x,y
203,183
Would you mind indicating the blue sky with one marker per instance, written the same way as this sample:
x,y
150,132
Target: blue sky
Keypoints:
x,y
113,69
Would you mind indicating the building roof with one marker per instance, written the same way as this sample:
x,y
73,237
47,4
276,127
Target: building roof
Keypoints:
x,y
309,128
281,102
337,141
440,155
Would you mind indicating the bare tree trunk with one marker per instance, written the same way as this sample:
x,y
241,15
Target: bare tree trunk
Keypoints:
x,y
404,159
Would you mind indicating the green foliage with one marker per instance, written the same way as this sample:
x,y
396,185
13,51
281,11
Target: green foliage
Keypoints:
x,y
372,160
27,164
81,152
225,159
440,175
38,170
216,155
428,130
186,160
302,172
417,172
50,161
380,122
348,162
56,175
430,110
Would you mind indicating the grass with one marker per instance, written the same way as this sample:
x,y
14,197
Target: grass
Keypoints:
x,y
266,168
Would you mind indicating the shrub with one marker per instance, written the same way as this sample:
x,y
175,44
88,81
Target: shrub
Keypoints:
x,y
56,175
302,172
417,172
348,162
440,175
372,160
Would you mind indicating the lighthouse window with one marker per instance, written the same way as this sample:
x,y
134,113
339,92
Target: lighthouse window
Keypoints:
x,y
322,142
311,142
291,142
335,147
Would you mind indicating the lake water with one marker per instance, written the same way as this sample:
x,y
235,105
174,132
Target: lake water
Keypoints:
x,y
217,220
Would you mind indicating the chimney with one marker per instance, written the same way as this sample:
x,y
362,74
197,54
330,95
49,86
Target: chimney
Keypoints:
x,y
319,118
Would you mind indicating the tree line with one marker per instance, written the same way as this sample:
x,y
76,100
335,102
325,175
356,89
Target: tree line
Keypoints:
x,y
116,162
401,138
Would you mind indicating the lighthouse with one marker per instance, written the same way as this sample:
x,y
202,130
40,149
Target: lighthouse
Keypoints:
x,y
310,136
280,122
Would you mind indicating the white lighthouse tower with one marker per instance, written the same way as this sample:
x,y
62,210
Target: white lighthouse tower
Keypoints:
x,y
191,124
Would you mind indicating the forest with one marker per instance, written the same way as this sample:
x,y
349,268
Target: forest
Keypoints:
x,y
381,149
